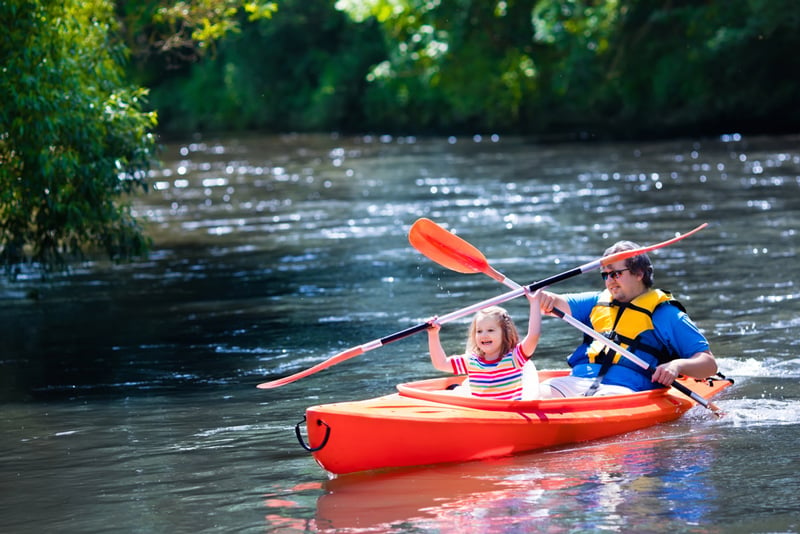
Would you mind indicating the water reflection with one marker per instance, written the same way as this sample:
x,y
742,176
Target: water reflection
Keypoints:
x,y
643,485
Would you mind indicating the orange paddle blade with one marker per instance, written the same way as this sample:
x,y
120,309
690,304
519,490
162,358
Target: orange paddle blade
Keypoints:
x,y
333,360
446,248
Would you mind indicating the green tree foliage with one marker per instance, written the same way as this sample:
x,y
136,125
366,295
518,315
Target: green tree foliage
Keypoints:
x,y
175,34
619,68
303,69
74,141
459,65
623,67
644,67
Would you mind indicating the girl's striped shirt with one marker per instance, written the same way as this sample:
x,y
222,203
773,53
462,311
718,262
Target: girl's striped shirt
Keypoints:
x,y
501,379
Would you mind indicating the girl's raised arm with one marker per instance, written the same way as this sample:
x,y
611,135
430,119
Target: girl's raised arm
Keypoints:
x,y
531,339
438,355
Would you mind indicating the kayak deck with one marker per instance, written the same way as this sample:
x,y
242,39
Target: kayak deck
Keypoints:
x,y
425,423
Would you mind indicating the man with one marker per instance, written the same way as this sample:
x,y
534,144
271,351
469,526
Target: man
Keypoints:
x,y
644,320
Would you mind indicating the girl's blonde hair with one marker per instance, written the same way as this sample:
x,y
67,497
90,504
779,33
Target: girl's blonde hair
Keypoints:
x,y
510,334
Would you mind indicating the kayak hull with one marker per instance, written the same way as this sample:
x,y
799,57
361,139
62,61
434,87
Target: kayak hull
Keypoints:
x,y
424,423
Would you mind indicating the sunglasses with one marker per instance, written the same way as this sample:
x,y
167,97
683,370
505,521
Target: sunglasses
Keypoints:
x,y
613,274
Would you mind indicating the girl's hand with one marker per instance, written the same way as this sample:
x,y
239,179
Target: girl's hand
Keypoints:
x,y
433,325
535,297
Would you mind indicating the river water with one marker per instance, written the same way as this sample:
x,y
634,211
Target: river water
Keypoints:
x,y
128,399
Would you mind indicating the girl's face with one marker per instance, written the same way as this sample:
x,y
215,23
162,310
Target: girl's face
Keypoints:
x,y
489,337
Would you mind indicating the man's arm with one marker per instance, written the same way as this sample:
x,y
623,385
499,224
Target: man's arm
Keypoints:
x,y
699,365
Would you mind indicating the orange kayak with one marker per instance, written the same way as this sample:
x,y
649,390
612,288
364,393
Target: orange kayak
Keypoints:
x,y
425,423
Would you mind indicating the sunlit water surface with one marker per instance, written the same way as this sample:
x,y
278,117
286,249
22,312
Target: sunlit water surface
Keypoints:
x,y
128,391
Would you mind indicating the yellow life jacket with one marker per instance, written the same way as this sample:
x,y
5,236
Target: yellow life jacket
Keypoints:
x,y
630,324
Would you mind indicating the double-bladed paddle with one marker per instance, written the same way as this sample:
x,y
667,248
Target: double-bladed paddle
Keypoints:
x,y
453,252
432,240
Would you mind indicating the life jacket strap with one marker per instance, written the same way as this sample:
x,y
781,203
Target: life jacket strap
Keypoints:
x,y
606,357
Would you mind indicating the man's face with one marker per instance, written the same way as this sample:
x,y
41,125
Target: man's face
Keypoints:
x,y
623,285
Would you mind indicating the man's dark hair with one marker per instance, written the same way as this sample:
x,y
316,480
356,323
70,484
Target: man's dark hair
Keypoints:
x,y
637,264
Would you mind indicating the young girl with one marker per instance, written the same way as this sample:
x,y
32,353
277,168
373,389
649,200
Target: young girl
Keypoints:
x,y
495,357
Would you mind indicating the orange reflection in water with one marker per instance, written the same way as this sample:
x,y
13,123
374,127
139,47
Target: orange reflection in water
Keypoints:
x,y
626,485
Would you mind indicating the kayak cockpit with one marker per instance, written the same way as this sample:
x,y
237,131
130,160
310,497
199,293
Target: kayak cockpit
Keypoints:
x,y
443,390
